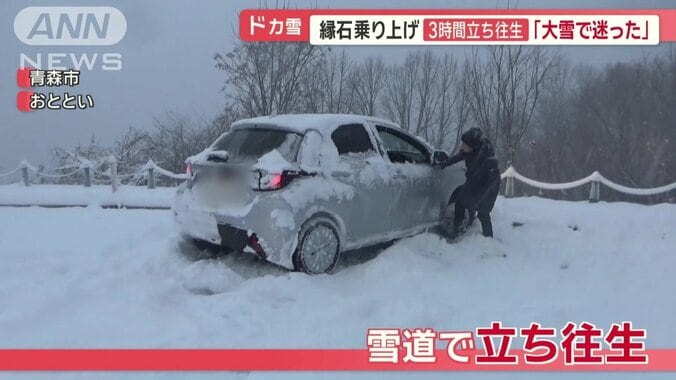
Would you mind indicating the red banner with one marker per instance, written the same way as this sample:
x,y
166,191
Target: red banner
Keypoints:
x,y
278,360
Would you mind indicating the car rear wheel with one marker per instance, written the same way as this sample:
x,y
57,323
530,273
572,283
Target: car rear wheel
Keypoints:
x,y
318,248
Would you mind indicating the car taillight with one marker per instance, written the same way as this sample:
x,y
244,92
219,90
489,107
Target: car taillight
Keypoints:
x,y
272,181
275,181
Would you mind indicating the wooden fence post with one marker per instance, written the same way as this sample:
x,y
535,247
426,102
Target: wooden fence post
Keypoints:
x,y
151,178
113,173
595,190
87,176
509,187
508,175
24,173
594,193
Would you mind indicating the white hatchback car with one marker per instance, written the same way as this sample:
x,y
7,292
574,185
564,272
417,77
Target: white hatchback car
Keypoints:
x,y
298,190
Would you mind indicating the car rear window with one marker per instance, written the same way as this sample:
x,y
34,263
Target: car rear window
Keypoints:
x,y
250,144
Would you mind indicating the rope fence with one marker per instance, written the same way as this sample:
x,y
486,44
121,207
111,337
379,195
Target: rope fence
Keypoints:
x,y
595,179
148,171
151,170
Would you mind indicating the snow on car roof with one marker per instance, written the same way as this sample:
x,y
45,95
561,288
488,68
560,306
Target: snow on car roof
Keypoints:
x,y
303,122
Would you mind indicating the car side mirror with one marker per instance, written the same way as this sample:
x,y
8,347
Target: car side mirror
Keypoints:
x,y
439,157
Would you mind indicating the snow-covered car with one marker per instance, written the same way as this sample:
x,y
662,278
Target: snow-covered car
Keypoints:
x,y
298,190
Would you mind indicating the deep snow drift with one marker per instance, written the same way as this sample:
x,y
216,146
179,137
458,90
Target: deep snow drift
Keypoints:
x,y
94,278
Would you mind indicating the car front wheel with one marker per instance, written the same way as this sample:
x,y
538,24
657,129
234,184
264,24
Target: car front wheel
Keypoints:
x,y
318,248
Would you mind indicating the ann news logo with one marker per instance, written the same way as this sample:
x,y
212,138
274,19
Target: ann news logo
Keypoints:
x,y
70,26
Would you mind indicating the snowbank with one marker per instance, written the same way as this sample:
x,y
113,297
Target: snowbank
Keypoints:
x,y
89,277
76,195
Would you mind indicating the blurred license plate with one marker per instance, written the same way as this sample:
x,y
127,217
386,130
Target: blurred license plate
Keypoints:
x,y
218,192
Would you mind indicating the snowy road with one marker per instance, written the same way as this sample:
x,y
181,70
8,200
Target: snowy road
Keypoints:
x,y
88,277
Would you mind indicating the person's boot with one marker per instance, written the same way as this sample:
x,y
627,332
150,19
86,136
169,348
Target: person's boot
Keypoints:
x,y
455,232
486,225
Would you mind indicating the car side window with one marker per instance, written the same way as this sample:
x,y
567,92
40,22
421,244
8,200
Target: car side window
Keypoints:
x,y
401,148
352,139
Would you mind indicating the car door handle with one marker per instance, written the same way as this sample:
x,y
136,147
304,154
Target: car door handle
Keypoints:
x,y
340,174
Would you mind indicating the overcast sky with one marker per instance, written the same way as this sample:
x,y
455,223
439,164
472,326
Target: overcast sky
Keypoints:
x,y
168,64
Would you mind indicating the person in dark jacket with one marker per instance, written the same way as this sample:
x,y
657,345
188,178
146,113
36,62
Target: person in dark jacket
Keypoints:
x,y
482,182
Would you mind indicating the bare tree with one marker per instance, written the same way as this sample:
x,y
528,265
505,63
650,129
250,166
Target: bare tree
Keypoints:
x,y
67,160
366,83
452,112
631,109
174,138
325,87
504,86
617,120
263,78
335,82
398,99
425,95
131,150
426,92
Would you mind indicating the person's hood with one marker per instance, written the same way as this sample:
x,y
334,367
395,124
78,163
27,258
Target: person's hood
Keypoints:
x,y
472,137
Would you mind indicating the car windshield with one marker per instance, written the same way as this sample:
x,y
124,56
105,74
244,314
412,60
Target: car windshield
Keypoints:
x,y
250,144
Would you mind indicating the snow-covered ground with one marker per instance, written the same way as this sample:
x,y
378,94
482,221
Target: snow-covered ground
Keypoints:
x,y
94,278
77,195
